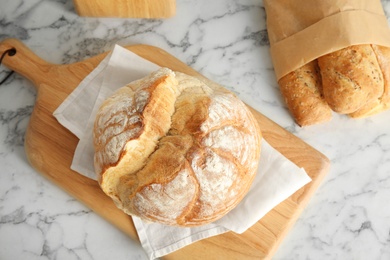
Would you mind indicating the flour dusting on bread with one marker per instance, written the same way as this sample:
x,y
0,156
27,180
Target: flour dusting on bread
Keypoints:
x,y
171,149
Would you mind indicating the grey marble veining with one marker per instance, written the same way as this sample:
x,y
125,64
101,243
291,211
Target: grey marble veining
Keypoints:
x,y
226,40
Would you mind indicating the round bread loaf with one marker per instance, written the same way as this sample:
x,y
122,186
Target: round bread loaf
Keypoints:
x,y
173,150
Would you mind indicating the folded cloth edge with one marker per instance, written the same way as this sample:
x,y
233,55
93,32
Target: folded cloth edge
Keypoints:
x,y
67,102
169,248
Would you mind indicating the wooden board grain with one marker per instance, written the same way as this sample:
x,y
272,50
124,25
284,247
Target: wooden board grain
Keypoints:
x,y
50,147
126,8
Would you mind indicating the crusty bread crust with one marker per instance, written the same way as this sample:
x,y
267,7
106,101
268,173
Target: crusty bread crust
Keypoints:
x,y
351,78
302,92
383,101
353,81
173,150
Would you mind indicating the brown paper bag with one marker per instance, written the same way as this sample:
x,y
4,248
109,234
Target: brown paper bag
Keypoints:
x,y
301,31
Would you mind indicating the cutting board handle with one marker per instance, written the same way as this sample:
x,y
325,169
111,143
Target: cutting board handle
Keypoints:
x,y
24,62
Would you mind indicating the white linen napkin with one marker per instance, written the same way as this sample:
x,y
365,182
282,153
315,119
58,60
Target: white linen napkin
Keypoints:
x,y
277,177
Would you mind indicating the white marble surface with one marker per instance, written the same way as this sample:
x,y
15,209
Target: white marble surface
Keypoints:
x,y
226,40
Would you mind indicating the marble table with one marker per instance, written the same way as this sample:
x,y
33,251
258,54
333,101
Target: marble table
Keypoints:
x,y
226,40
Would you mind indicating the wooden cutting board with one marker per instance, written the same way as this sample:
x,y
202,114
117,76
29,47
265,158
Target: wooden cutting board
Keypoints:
x,y
126,8
50,147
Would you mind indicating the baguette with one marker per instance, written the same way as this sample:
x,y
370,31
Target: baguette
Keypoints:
x,y
351,78
302,92
383,102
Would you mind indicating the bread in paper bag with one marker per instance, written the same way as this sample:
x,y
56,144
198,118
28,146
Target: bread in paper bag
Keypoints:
x,y
349,39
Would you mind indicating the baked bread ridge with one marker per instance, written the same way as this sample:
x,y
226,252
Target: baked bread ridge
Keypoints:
x,y
194,165
119,127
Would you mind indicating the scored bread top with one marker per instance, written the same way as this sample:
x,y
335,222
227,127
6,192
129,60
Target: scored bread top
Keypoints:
x,y
173,150
381,103
351,78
